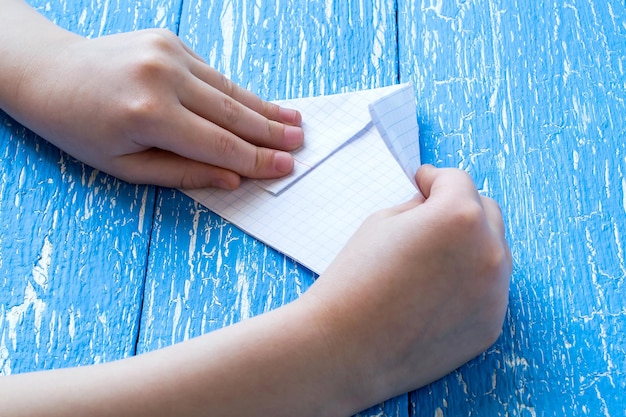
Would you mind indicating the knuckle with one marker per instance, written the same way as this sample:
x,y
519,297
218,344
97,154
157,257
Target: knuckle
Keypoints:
x,y
496,260
160,39
226,85
225,146
157,46
271,130
262,160
150,65
187,180
140,111
148,70
468,215
270,110
230,110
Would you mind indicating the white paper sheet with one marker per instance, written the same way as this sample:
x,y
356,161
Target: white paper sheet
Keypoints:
x,y
345,172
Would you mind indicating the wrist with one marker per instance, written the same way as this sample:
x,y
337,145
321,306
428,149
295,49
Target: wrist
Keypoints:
x,y
31,43
335,355
375,352
279,363
357,355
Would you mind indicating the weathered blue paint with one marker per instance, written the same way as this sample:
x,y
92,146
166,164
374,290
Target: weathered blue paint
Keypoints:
x,y
530,99
286,48
73,241
72,257
203,272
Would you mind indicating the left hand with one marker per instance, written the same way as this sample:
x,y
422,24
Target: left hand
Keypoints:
x,y
143,107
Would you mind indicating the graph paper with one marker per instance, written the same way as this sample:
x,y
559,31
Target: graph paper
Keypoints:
x,y
395,117
312,214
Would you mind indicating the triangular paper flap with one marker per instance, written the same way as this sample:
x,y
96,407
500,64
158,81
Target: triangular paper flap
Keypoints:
x,y
344,116
312,219
395,117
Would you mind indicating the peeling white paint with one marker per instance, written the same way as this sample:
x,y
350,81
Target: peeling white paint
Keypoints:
x,y
71,326
142,210
178,308
243,301
624,194
193,236
41,269
16,314
575,159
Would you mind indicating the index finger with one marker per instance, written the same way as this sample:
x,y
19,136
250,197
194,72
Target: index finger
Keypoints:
x,y
212,96
222,83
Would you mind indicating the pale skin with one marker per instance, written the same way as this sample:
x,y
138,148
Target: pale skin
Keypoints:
x,y
420,289
170,119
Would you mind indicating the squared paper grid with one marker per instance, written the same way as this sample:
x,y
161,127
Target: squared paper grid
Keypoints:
x,y
395,117
328,122
312,222
313,219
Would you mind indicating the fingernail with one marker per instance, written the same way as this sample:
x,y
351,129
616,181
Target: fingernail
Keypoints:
x,y
283,162
294,136
290,116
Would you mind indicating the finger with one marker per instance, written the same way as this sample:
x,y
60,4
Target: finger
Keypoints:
x,y
222,83
158,167
269,110
416,201
192,52
195,138
228,113
493,214
446,183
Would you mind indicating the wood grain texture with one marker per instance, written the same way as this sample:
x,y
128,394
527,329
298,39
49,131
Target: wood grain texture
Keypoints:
x,y
530,98
72,258
204,273
285,48
73,241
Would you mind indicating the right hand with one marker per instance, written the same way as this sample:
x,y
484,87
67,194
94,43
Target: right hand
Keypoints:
x,y
419,289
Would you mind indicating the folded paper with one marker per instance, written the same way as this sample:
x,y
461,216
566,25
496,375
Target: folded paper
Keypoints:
x,y
360,154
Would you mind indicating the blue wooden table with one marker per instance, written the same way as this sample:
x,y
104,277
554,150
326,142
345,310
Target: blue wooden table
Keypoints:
x,y
528,97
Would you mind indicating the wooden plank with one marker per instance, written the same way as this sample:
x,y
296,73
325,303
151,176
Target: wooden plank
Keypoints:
x,y
73,246
530,98
73,241
203,272
284,48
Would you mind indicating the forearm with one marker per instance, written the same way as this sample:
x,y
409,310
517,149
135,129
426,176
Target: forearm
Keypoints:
x,y
275,364
28,41
386,317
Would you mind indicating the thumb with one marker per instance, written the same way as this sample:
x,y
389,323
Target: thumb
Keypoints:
x,y
425,177
451,185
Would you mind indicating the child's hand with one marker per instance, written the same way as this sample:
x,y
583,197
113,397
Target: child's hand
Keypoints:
x,y
143,107
419,290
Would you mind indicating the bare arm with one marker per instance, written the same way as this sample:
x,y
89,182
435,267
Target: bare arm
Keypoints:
x,y
420,289
141,106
